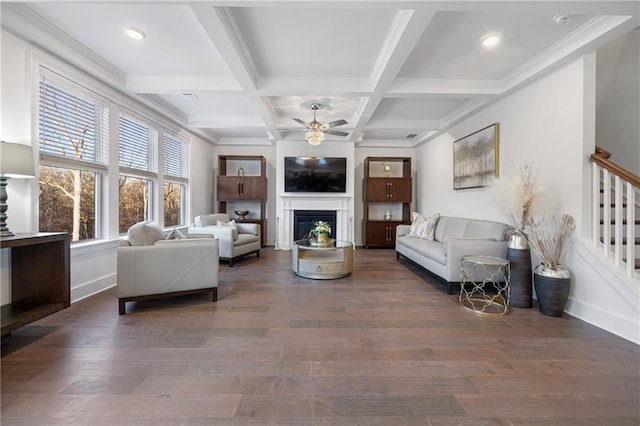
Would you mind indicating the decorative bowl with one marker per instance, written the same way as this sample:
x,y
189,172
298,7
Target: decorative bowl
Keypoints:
x,y
241,213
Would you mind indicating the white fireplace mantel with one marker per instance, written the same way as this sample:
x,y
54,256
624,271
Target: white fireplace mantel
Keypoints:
x,y
288,203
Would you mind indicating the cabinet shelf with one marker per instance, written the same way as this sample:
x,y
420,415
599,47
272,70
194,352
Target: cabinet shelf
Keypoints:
x,y
242,185
387,190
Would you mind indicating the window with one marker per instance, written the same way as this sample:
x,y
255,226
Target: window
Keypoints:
x,y
73,145
175,179
138,160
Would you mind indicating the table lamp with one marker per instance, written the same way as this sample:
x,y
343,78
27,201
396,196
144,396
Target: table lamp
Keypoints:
x,y
16,161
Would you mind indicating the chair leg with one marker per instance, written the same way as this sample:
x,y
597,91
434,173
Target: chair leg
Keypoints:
x,y
121,307
258,253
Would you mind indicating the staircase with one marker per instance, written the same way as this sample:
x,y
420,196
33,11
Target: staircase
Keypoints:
x,y
616,213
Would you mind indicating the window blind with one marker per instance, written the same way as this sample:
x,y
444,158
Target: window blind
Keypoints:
x,y
175,157
137,145
71,125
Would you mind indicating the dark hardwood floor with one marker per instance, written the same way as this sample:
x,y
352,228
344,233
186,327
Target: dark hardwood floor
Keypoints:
x,y
385,346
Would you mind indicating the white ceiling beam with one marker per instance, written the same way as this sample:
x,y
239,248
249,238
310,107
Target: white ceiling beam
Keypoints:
x,y
224,33
175,84
405,32
449,88
281,86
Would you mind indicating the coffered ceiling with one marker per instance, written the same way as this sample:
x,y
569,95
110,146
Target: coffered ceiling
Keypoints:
x,y
399,72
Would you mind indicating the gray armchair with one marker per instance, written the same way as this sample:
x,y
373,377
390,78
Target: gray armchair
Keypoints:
x,y
151,267
234,240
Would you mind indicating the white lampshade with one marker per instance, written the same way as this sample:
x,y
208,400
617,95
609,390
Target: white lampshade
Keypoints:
x,y
16,160
314,137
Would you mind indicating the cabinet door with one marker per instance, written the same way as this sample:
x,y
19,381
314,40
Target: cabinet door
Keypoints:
x,y
381,233
240,188
251,188
396,190
229,188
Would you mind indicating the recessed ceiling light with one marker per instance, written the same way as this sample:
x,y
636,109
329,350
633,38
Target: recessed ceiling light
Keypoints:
x,y
135,33
189,96
491,39
561,19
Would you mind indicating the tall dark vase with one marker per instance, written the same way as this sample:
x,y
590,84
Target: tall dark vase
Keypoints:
x,y
552,288
521,288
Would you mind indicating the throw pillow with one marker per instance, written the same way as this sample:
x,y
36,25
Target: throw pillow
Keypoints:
x,y
233,226
175,235
417,224
144,234
430,226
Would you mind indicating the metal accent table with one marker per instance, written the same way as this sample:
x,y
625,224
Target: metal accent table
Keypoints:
x,y
322,262
484,284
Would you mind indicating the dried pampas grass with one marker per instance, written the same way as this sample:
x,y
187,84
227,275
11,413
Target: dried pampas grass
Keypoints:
x,y
521,195
550,236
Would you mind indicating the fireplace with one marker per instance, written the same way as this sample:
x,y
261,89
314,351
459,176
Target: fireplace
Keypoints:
x,y
288,204
303,221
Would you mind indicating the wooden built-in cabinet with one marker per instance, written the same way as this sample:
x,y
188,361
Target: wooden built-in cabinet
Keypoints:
x,y
387,197
242,185
40,278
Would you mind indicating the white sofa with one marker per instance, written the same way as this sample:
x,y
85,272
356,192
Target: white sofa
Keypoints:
x,y
150,266
245,239
454,238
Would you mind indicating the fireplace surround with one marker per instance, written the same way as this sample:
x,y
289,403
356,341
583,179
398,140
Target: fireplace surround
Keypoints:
x,y
289,204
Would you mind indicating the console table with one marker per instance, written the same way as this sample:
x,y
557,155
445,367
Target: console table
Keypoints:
x,y
322,262
40,277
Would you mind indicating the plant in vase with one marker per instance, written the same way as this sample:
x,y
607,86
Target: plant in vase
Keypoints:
x,y
521,195
551,237
321,230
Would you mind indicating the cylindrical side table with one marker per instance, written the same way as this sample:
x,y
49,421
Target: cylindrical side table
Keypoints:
x,y
484,284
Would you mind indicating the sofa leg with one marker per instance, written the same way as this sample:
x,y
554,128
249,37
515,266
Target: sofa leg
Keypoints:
x,y
449,288
121,307
258,253
230,263
214,294
397,256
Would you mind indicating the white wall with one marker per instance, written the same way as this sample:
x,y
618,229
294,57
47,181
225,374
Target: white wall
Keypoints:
x,y
551,125
618,100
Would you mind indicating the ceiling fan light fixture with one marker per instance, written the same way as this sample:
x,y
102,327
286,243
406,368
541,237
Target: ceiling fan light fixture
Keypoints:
x,y
314,137
491,39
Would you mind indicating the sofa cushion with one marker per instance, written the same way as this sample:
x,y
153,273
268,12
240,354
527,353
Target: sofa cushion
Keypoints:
x,y
144,233
246,239
458,227
427,248
231,224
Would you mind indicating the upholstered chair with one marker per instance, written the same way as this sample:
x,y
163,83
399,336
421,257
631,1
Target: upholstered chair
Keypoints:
x,y
151,266
234,239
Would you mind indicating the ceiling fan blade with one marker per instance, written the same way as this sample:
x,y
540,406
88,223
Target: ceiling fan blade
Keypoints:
x,y
304,123
336,123
336,132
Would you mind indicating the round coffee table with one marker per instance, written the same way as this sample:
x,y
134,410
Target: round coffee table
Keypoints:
x,y
322,262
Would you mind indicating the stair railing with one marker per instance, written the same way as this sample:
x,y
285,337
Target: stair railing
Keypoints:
x,y
615,188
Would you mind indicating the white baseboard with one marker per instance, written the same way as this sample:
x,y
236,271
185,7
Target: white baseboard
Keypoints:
x,y
89,288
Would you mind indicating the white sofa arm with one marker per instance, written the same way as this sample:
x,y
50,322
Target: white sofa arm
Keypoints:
x,y
402,230
224,234
456,248
167,266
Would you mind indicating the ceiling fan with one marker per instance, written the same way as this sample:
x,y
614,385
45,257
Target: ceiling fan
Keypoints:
x,y
314,130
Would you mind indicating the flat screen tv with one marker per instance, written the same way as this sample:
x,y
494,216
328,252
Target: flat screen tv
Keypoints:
x,y
315,174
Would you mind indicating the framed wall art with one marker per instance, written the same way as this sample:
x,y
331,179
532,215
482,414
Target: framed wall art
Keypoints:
x,y
475,158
